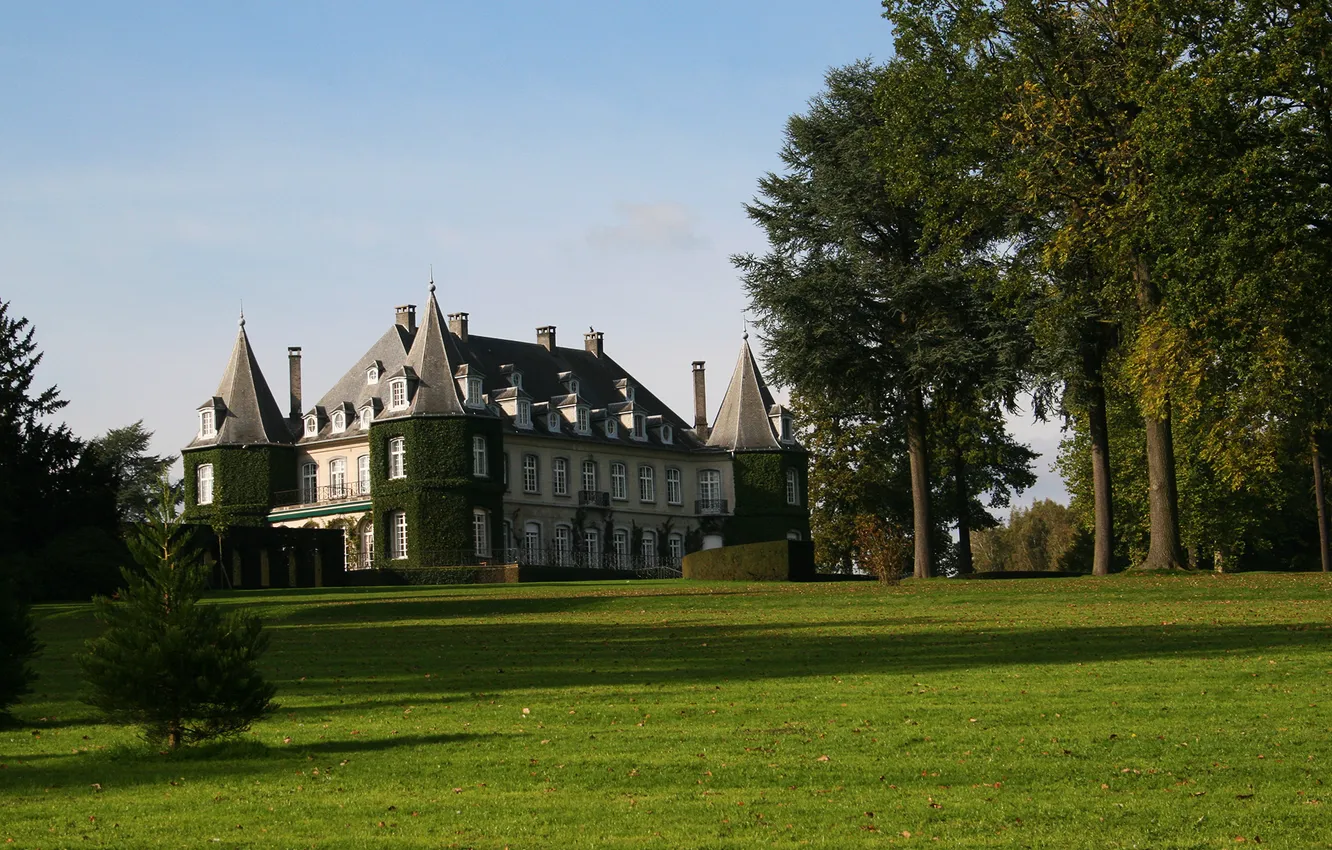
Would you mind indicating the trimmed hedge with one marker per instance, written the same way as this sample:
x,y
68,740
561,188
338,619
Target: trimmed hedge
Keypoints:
x,y
245,478
776,560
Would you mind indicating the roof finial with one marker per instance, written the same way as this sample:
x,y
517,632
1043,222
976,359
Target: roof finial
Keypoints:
x,y
432,278
744,325
242,313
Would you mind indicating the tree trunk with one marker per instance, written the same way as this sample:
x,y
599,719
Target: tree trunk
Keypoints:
x,y
1102,498
173,734
1165,551
962,495
918,449
1320,499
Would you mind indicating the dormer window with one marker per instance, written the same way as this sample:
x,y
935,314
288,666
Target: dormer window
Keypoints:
x,y
553,422
372,374
666,435
516,379
610,427
207,423
573,386
339,422
367,416
584,424
524,417
786,429
311,426
629,392
474,393
640,426
397,393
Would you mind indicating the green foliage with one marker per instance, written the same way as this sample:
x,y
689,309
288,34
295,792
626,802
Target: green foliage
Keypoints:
x,y
245,480
1044,536
772,560
882,549
761,511
181,670
137,473
18,646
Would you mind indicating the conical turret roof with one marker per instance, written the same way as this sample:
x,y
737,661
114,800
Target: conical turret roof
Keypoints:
x,y
742,423
433,360
249,415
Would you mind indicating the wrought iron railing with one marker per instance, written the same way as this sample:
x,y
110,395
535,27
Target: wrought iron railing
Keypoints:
x,y
710,507
348,492
594,498
653,566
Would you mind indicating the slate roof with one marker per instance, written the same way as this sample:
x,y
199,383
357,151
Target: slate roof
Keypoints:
x,y
433,361
743,423
249,414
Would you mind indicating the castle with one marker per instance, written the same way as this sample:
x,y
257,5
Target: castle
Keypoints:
x,y
440,447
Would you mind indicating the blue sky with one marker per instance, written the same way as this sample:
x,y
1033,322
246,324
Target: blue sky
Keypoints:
x,y
575,164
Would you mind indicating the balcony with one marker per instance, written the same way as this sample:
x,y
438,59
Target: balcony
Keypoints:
x,y
332,494
710,507
593,499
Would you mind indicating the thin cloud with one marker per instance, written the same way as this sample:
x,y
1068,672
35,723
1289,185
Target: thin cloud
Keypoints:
x,y
655,227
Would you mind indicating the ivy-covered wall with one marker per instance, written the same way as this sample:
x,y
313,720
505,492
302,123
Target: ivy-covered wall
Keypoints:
x,y
244,481
439,490
761,512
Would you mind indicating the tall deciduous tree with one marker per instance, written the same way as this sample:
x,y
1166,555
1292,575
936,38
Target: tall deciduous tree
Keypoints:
x,y
138,473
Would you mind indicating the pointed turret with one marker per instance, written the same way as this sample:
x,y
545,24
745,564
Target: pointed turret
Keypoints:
x,y
245,410
742,423
432,361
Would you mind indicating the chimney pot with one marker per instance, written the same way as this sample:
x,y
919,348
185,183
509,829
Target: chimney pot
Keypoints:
x,y
546,337
406,317
594,342
458,325
700,401
294,379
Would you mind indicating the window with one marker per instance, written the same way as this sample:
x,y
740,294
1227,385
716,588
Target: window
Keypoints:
x,y
793,534
560,476
629,392
506,529
337,478
589,475
592,547
368,545
311,426
619,482
506,471
367,416
474,392
397,393
709,486
481,532
531,474
532,543
516,379
363,475
397,458
647,484
480,463
573,387
647,549
207,426
640,426
563,545
309,482
203,475
675,545
397,523
372,374
674,492
524,413
584,426
620,548
610,427
666,434
339,422
786,430
553,422
792,487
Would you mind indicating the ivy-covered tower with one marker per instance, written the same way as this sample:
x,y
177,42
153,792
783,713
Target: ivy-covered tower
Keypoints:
x,y
769,465
436,456
243,452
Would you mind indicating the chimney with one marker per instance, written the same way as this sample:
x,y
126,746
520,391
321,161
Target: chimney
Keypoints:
x,y
593,342
700,402
458,325
407,317
294,375
546,337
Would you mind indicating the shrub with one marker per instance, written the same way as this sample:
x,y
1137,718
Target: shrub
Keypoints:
x,y
882,549
18,645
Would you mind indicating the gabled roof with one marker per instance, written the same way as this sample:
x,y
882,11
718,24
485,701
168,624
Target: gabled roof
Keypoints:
x,y
742,423
250,415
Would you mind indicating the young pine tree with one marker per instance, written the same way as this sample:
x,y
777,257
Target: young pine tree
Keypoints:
x,y
181,670
18,644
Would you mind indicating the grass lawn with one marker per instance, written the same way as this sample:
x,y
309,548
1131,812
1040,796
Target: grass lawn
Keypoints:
x,y
1135,711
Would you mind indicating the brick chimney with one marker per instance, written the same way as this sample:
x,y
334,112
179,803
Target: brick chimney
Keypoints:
x,y
458,325
546,337
700,401
294,378
406,317
594,342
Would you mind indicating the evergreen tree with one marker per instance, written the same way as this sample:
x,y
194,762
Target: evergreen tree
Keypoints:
x,y
18,645
138,473
181,670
